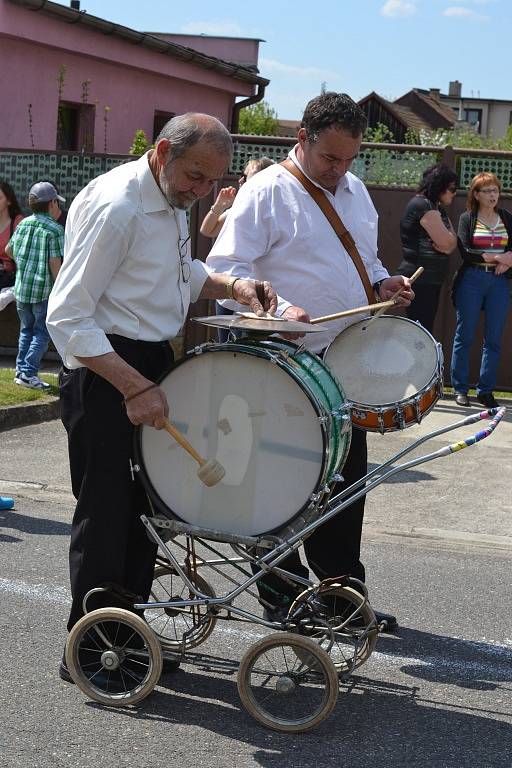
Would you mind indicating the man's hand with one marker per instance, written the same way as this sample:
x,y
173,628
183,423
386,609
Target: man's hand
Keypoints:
x,y
259,296
298,314
149,408
391,285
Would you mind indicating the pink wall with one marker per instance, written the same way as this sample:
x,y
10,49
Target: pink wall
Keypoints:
x,y
240,50
132,81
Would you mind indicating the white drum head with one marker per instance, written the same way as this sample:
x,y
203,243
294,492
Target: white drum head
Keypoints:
x,y
252,417
390,361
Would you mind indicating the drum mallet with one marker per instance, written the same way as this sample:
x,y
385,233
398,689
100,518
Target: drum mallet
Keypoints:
x,y
393,298
210,472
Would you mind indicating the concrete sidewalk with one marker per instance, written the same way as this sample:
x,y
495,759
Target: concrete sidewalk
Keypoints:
x,y
458,502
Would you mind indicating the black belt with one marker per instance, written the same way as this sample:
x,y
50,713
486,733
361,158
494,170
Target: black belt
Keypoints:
x,y
137,342
485,267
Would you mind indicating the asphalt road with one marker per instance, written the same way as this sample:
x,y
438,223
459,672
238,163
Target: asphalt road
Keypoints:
x,y
437,694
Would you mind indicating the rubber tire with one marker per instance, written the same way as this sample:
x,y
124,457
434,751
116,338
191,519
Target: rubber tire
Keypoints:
x,y
305,646
138,625
366,614
205,631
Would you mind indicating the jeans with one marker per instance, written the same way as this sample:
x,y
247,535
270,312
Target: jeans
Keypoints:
x,y
479,290
34,338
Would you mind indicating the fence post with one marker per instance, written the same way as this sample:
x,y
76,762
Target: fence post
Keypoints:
x,y
448,157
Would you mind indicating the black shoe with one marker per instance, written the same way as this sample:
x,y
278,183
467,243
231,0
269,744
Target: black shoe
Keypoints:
x,y
64,673
388,619
488,399
461,398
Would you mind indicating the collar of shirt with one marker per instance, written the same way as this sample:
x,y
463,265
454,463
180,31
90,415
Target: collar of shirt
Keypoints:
x,y
153,198
344,184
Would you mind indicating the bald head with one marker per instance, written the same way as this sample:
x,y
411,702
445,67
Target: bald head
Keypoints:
x,y
184,131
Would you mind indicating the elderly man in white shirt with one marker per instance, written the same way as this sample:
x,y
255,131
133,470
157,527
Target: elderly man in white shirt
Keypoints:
x,y
276,229
122,293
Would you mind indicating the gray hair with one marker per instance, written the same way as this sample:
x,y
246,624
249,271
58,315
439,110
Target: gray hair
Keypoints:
x,y
183,131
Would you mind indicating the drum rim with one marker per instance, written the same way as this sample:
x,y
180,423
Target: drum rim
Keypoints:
x,y
142,472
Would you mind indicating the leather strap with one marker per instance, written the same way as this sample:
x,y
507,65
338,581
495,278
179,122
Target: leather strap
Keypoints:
x,y
336,223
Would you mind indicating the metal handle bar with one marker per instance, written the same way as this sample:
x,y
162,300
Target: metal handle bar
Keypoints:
x,y
496,414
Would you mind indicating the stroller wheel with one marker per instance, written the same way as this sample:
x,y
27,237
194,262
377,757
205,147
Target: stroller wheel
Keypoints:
x,y
288,683
114,657
347,628
179,629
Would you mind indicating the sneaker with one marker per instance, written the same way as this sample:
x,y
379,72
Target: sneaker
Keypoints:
x,y
488,399
6,502
32,382
461,398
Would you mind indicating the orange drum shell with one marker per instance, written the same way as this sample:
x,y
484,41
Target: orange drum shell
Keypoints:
x,y
367,417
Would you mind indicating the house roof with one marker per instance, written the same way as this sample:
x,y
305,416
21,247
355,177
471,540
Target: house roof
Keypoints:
x,y
404,115
71,16
443,109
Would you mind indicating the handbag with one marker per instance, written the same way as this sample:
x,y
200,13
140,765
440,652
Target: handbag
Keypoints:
x,y
336,223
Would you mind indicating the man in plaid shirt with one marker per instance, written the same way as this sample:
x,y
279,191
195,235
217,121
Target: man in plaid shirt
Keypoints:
x,y
36,246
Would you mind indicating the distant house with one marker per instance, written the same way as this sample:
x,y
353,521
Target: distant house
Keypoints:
x,y
431,110
73,81
288,127
413,111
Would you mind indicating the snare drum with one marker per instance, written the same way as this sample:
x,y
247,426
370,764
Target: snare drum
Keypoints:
x,y
275,418
391,371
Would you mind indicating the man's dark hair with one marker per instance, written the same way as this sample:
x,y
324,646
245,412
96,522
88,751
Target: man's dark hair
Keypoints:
x,y
435,181
333,110
37,207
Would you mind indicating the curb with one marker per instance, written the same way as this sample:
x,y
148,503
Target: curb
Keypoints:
x,y
12,416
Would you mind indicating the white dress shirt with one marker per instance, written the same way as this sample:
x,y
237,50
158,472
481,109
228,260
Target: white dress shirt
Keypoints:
x,y
276,232
121,271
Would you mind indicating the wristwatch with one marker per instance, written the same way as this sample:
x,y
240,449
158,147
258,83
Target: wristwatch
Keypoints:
x,y
376,286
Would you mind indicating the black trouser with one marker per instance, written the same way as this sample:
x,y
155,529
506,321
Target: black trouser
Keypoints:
x,y
108,541
333,549
7,279
425,304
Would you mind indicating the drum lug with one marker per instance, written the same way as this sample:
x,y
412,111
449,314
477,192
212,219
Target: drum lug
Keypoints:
x,y
400,418
197,350
323,419
133,469
337,478
380,420
315,498
417,411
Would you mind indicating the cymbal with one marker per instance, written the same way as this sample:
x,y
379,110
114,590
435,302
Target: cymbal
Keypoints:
x,y
260,324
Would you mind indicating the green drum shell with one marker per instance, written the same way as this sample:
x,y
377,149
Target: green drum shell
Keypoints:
x,y
324,387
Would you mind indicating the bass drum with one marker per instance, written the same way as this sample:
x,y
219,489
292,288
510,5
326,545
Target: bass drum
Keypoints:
x,y
270,413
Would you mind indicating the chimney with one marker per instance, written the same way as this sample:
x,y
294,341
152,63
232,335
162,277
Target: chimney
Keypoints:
x,y
455,89
435,93
75,5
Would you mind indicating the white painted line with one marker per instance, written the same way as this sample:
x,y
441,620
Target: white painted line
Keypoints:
x,y
495,662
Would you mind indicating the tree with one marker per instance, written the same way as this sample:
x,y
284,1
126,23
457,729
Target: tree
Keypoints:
x,y
258,120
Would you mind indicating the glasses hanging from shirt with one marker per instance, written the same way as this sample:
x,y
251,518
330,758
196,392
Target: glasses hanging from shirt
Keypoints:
x,y
182,251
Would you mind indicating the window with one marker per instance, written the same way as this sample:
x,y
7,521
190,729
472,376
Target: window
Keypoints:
x,y
75,127
159,120
474,118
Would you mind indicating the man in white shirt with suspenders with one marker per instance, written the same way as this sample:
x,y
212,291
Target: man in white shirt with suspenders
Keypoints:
x,y
277,228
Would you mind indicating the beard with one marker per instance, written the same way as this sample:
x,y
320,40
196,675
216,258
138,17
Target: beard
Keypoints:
x,y
180,200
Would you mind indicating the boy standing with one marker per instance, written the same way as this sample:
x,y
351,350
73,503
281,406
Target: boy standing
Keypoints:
x,y
37,247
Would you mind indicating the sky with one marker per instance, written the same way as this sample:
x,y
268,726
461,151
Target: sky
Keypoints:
x,y
354,46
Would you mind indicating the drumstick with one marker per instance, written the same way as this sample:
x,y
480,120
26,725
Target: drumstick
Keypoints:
x,y
394,297
210,472
348,312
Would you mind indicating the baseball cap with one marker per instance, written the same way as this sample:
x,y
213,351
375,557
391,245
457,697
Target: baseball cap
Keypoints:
x,y
44,192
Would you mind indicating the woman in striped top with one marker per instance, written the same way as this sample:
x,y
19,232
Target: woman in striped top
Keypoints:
x,y
485,240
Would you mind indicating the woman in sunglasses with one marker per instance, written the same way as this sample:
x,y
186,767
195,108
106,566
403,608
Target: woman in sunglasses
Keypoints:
x,y
485,242
427,239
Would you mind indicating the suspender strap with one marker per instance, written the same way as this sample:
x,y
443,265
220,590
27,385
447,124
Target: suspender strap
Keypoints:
x,y
336,223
